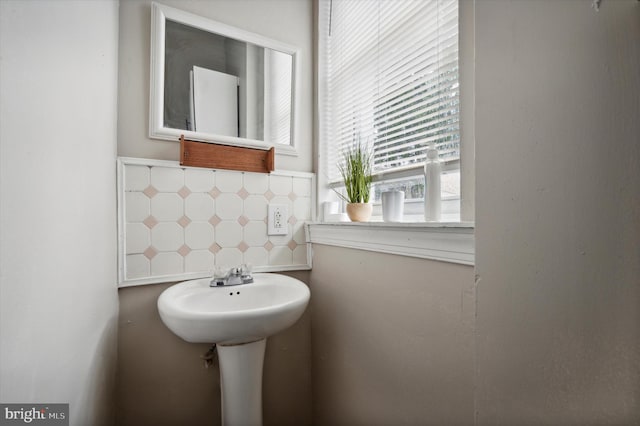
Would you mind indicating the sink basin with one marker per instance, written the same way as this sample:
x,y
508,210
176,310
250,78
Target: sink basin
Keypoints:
x,y
230,315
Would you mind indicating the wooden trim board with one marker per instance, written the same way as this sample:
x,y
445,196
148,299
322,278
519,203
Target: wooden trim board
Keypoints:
x,y
216,156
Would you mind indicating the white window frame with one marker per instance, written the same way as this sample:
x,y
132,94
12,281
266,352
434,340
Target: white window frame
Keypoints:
x,y
395,239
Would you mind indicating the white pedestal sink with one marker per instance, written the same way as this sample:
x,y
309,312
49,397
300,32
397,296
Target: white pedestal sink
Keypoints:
x,y
238,319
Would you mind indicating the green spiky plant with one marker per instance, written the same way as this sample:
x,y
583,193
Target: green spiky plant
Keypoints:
x,y
356,174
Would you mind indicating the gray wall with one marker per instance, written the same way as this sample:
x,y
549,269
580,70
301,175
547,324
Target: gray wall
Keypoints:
x,y
185,47
551,334
58,303
289,21
558,212
392,339
162,380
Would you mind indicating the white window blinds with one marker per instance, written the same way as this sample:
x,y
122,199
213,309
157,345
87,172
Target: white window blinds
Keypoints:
x,y
390,79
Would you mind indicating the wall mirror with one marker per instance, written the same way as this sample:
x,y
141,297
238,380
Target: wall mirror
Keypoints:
x,y
216,83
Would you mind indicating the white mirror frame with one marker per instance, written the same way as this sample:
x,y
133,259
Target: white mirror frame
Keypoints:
x,y
157,130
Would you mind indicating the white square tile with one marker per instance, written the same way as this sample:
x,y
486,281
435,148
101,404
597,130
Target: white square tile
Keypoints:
x,y
256,256
137,266
256,183
137,206
167,236
282,240
255,207
199,261
198,235
302,187
167,206
280,256
228,206
280,185
300,255
199,206
167,264
228,258
228,233
138,238
281,199
228,181
299,235
136,178
167,179
255,233
302,208
199,180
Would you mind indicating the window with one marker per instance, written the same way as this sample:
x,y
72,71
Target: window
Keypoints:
x,y
389,78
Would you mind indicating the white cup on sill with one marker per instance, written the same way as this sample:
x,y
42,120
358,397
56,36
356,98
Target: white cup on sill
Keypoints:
x,y
392,206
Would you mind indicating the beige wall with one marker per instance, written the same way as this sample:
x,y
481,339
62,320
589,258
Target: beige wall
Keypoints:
x,y
162,381
392,339
58,299
160,378
289,21
558,212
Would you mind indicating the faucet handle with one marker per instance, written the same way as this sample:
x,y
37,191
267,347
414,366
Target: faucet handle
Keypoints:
x,y
219,272
246,269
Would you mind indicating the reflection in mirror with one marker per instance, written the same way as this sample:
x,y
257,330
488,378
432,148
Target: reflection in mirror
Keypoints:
x,y
213,82
219,85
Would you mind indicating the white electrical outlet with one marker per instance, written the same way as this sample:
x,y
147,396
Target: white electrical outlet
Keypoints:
x,y
278,218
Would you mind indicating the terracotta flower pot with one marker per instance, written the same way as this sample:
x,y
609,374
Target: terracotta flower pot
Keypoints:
x,y
359,212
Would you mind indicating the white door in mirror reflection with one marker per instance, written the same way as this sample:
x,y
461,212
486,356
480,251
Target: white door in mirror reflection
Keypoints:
x,y
214,102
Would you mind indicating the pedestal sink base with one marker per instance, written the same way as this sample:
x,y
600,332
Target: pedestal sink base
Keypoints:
x,y
241,383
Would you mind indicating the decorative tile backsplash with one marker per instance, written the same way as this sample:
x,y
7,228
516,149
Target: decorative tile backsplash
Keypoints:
x,y
178,223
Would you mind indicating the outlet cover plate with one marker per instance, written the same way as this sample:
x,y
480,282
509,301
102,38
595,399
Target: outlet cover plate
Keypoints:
x,y
278,219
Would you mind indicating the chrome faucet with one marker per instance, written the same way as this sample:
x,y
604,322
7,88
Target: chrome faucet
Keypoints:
x,y
235,276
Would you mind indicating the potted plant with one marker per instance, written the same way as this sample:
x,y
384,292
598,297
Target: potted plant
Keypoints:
x,y
356,174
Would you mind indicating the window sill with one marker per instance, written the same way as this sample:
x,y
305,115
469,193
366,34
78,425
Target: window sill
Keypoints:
x,y
447,242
